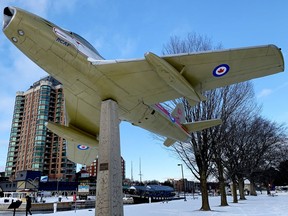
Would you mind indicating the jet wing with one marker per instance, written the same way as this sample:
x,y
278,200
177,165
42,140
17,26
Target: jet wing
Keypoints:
x,y
80,147
80,153
244,64
153,80
202,71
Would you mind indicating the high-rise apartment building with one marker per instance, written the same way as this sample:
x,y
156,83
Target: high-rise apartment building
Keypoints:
x,y
32,146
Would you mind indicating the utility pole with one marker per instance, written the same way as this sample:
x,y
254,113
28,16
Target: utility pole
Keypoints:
x,y
132,171
183,181
140,174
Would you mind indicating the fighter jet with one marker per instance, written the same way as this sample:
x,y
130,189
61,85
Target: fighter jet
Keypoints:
x,y
139,86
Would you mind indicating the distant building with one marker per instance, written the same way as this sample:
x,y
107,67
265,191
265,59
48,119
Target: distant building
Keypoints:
x,y
93,168
2,174
32,146
27,180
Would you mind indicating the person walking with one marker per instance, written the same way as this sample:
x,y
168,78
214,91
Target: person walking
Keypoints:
x,y
28,205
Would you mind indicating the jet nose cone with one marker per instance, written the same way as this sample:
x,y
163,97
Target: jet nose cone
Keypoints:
x,y
8,13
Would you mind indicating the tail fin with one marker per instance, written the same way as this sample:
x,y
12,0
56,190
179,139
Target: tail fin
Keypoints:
x,y
195,126
179,113
201,125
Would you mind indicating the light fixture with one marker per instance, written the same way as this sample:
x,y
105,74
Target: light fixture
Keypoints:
x,y
21,32
14,39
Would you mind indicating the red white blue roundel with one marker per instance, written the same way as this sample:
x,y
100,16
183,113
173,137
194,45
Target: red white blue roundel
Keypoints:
x,y
221,70
82,147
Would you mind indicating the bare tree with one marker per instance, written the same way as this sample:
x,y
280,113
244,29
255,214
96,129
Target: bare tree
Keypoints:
x,y
264,148
230,147
206,147
196,154
235,102
192,43
254,143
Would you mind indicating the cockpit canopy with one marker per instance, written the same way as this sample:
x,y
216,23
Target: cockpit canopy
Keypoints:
x,y
85,43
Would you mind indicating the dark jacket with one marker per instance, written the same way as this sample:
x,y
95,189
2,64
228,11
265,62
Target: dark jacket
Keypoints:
x,y
28,202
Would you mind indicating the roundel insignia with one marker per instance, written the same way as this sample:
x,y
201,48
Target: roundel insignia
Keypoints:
x,y
82,147
221,70
179,111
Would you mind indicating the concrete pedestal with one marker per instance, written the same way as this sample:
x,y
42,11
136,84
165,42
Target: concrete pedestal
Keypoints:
x,y
109,197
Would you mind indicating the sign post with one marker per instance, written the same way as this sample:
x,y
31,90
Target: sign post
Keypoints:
x,y
14,206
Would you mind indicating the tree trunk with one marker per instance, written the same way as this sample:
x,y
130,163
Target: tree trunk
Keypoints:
x,y
234,191
268,189
204,191
223,194
241,188
222,185
252,188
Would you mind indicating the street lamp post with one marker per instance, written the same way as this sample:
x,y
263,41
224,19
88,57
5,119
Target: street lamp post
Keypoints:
x,y
57,181
58,186
183,181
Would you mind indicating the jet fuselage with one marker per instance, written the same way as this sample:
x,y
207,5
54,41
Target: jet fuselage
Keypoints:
x,y
60,52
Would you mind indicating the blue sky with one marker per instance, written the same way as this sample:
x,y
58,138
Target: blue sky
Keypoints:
x,y
127,29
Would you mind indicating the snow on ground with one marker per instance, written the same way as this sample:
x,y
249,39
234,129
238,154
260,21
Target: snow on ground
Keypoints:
x,y
260,205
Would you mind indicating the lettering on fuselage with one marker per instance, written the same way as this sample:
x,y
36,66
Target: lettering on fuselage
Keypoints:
x,y
65,43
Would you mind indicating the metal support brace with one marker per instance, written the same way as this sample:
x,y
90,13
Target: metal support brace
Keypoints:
x,y
174,78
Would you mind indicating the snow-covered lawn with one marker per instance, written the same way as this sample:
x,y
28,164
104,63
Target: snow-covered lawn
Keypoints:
x,y
261,205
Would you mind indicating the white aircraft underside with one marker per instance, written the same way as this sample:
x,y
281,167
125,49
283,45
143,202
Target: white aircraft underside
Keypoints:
x,y
137,85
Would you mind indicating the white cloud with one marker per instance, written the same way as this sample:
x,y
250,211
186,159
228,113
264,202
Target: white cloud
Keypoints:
x,y
125,46
64,6
40,8
6,103
265,93
6,112
20,73
43,7
128,47
5,126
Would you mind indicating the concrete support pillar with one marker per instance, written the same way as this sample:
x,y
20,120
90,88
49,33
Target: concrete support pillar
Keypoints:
x,y
109,197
